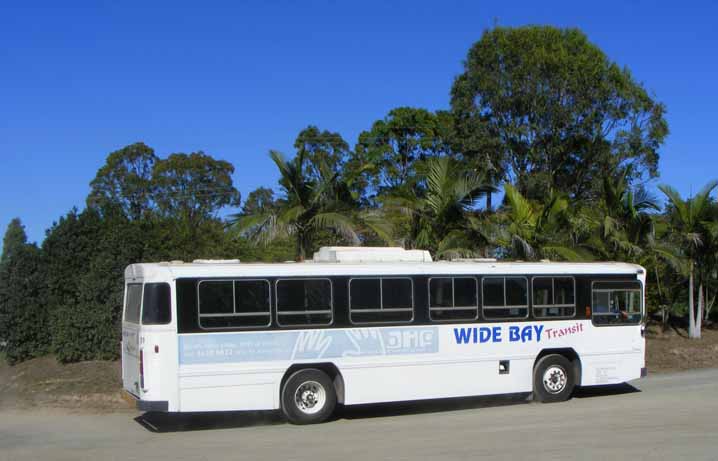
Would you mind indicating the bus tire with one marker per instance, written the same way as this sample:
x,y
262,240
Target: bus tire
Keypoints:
x,y
308,397
554,379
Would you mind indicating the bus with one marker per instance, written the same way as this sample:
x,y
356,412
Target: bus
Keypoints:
x,y
359,325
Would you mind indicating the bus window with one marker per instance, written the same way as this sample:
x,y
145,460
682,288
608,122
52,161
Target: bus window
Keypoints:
x,y
453,298
381,300
615,303
504,297
156,308
216,297
133,302
227,304
304,302
554,296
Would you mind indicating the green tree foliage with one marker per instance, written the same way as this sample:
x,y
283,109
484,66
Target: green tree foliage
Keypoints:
x,y
193,187
125,181
258,201
23,316
627,225
321,148
691,230
531,231
436,219
14,240
388,154
87,325
85,255
562,113
311,205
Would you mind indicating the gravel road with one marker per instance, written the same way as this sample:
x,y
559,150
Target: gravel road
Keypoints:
x,y
671,416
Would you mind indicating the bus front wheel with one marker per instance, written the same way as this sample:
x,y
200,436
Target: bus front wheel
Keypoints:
x,y
554,379
308,397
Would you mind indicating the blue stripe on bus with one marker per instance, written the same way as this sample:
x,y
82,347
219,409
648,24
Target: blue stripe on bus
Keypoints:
x,y
306,344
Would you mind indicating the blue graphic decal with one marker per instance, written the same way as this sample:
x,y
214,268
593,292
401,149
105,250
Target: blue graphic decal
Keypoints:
x,y
306,344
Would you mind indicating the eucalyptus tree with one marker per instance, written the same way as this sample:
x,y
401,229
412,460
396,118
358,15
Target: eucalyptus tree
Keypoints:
x,y
690,227
389,155
193,187
311,204
437,217
559,111
125,181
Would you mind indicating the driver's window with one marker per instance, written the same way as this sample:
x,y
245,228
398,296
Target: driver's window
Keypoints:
x,y
616,303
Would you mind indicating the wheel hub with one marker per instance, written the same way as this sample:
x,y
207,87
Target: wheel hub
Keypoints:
x,y
310,397
554,379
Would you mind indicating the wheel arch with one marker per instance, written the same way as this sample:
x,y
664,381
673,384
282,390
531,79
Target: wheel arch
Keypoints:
x,y
570,354
327,367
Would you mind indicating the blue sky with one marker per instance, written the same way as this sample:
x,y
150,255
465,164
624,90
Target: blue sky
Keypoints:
x,y
79,80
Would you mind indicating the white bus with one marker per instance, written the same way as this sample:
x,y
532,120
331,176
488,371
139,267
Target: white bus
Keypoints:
x,y
368,325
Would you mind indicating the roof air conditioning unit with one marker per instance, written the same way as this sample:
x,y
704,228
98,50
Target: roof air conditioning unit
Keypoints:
x,y
370,254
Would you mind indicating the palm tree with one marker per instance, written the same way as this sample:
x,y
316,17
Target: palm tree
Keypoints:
x,y
531,231
631,232
435,216
627,224
689,228
312,205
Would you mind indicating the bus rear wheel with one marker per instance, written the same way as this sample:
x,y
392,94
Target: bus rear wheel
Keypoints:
x,y
554,379
308,397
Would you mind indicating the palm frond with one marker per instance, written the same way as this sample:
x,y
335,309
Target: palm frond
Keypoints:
x,y
677,202
338,222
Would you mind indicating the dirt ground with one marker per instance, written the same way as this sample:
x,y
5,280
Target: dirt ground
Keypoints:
x,y
673,351
46,383
95,386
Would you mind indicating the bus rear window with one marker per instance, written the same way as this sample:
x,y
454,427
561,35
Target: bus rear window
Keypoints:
x,y
156,304
133,302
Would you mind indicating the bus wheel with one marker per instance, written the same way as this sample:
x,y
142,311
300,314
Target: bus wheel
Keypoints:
x,y
308,397
553,379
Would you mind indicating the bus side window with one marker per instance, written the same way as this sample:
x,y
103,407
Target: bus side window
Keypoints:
x,y
453,298
553,296
227,304
381,300
504,297
616,303
304,302
133,302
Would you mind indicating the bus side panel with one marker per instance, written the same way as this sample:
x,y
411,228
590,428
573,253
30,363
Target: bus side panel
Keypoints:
x,y
400,382
615,354
243,370
230,388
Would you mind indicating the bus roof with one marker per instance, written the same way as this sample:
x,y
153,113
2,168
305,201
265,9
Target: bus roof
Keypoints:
x,y
166,271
